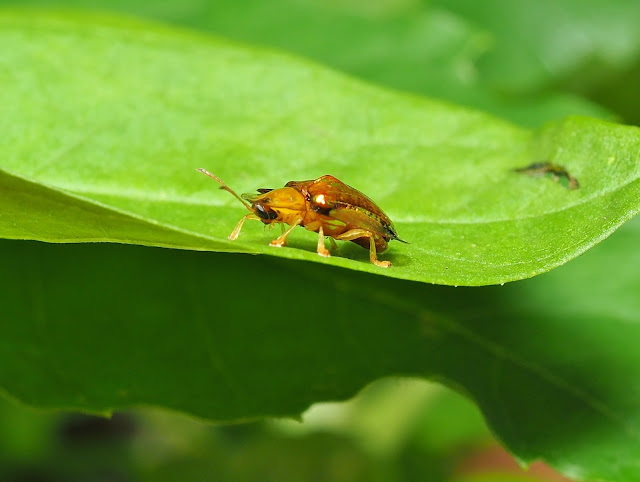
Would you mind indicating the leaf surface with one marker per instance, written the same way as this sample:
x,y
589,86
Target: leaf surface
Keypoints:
x,y
117,114
438,51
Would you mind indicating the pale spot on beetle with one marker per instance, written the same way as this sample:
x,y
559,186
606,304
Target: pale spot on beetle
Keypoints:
x,y
320,199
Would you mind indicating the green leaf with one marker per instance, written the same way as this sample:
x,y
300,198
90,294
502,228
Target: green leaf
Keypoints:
x,y
552,362
537,44
106,150
406,45
104,121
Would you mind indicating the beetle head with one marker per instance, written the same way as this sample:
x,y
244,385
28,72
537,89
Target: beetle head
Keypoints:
x,y
276,205
264,212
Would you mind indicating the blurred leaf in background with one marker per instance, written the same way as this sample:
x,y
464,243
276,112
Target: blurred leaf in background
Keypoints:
x,y
552,361
427,432
589,48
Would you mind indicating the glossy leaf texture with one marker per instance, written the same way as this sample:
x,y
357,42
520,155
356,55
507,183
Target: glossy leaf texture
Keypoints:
x,y
106,119
552,362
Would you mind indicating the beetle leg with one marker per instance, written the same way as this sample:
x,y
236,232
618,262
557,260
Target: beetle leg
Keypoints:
x,y
333,243
363,233
322,250
373,257
281,240
234,234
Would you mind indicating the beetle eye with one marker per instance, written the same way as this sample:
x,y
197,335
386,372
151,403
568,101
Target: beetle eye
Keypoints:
x,y
263,213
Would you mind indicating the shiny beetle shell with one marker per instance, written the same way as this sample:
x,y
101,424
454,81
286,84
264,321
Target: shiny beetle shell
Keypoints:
x,y
325,205
344,208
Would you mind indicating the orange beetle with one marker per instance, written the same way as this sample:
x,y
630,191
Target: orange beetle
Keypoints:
x,y
325,205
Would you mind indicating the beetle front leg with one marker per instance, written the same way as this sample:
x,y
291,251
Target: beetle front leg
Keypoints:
x,y
322,250
236,231
363,233
281,240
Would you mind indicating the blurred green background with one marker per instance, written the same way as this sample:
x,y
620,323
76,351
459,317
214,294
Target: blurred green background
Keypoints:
x,y
396,429
529,62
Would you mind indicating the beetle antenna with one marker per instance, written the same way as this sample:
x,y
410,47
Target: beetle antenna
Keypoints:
x,y
225,187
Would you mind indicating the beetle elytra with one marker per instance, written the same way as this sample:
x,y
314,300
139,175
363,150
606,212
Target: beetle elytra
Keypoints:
x,y
325,205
